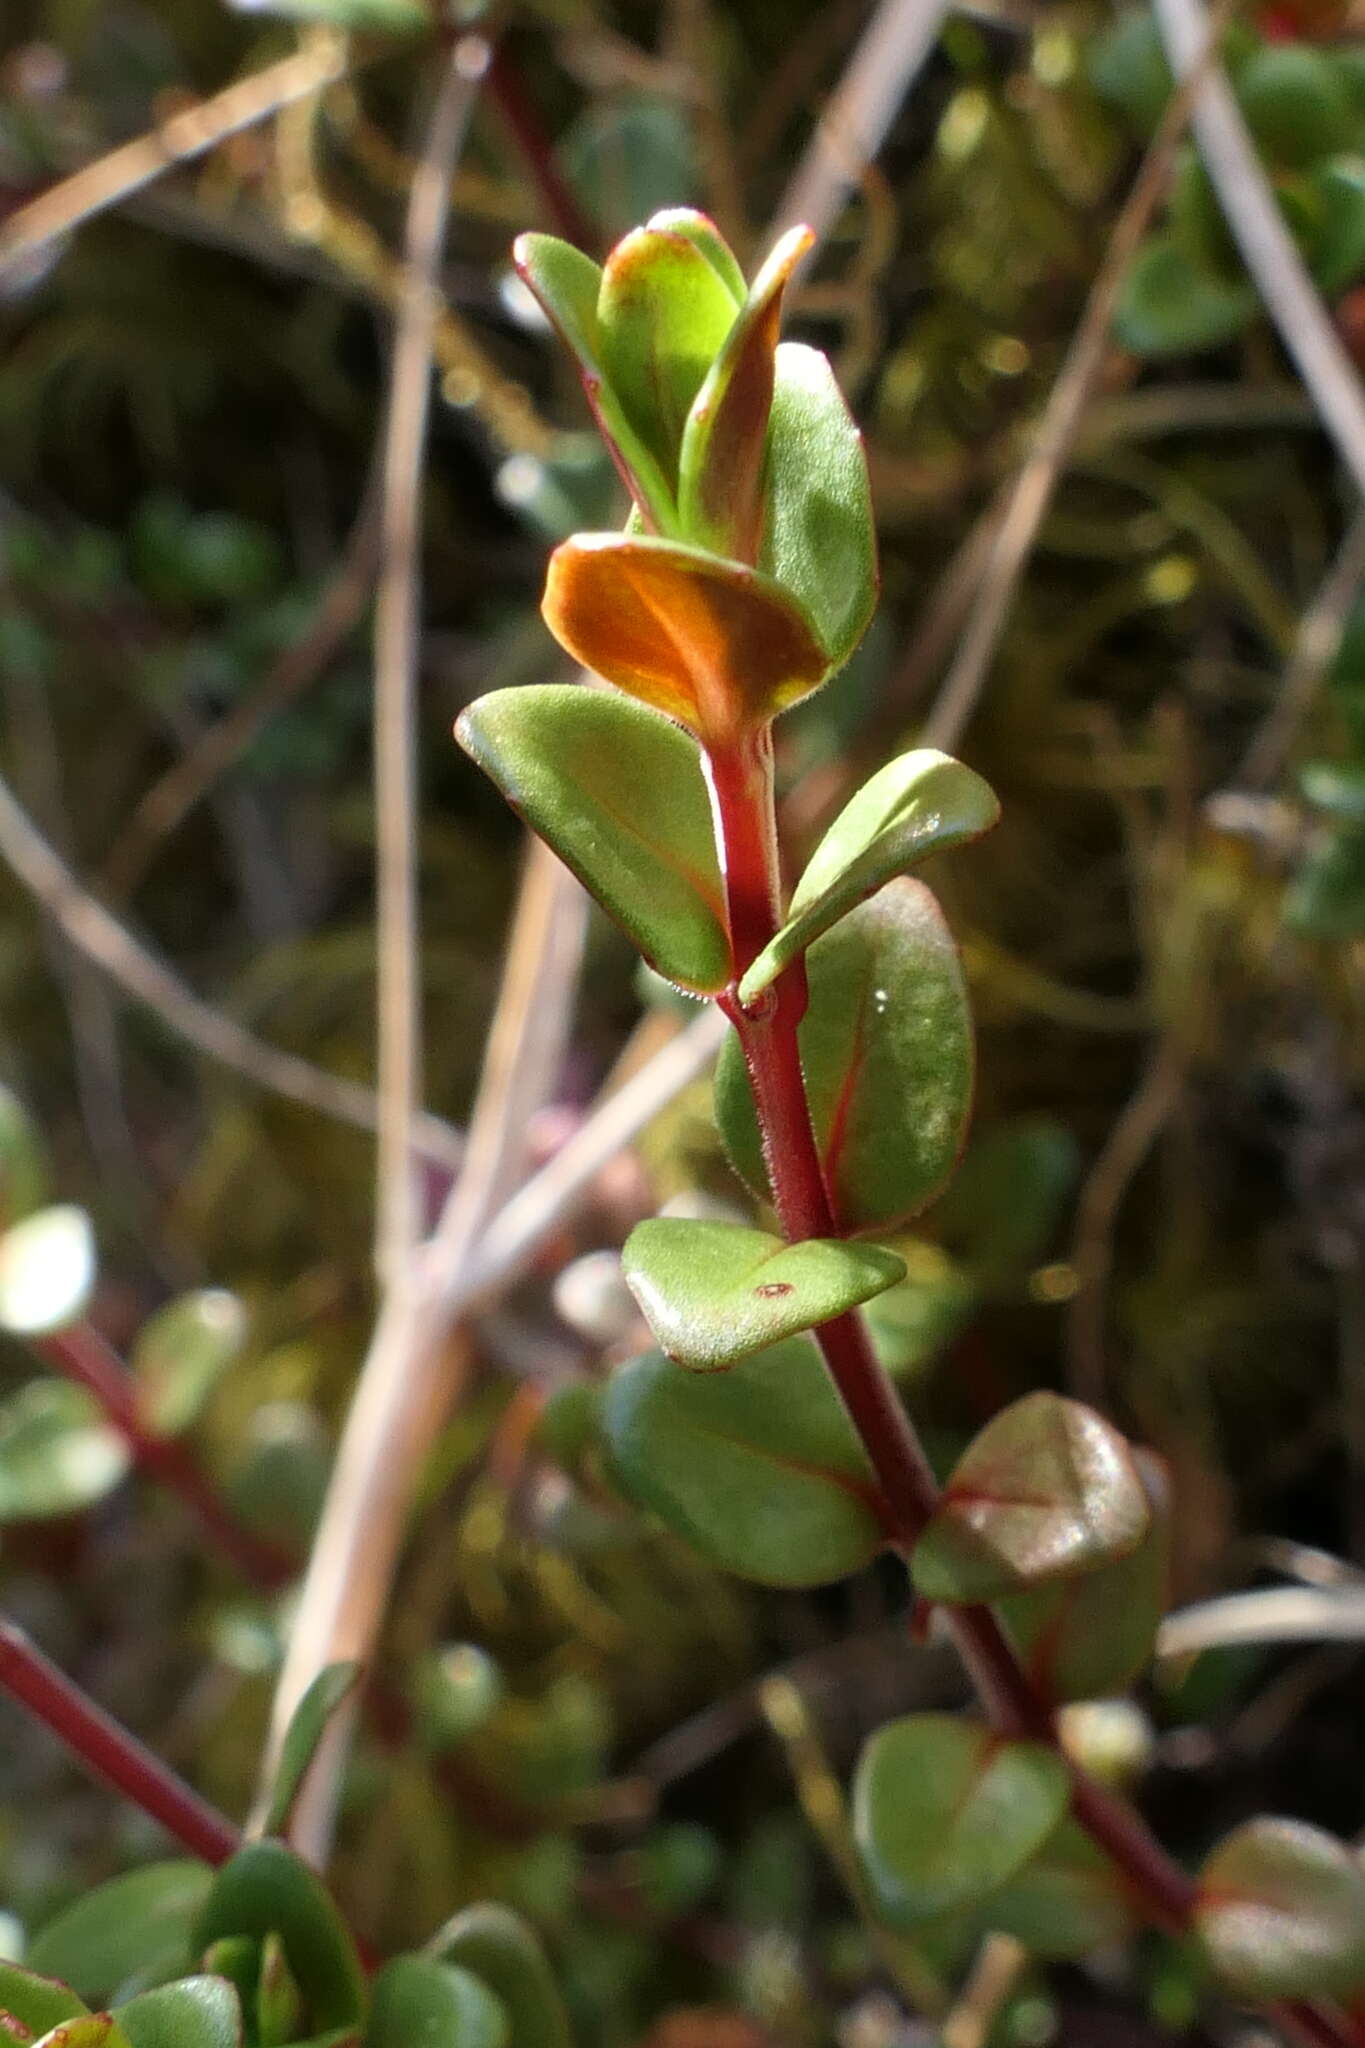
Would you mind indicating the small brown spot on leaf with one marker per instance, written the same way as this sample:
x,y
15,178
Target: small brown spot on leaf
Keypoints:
x,y
772,1290
15,2028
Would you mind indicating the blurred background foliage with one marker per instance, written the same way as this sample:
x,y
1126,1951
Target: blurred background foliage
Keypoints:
x,y
1164,1205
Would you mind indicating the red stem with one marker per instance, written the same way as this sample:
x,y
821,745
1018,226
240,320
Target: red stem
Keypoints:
x,y
742,802
508,90
109,1750
82,1354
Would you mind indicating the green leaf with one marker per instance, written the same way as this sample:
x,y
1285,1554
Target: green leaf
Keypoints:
x,y
1005,1203
47,1270
496,1946
327,1692
1295,104
713,644
265,1889
618,792
1337,788
1083,1638
1169,306
278,2001
758,1468
419,2003
567,284
23,1161
712,1293
1128,67
699,228
1281,1912
141,1921
912,1323
97,2030
663,312
820,539
1048,1488
945,1811
720,504
918,805
197,2012
457,1689
391,17
37,2002
1067,1901
1337,248
182,1352
58,1455
886,1047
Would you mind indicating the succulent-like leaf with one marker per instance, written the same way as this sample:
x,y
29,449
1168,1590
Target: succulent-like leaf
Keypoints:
x,y
920,804
886,1047
37,2002
182,1352
1082,1638
439,2005
819,536
714,1292
1281,1912
496,1946
1047,1489
328,1691
663,312
1067,1901
278,2002
58,1455
945,1811
720,504
567,284
47,1270
618,792
95,2030
140,1922
713,644
265,1889
758,1468
196,2012
699,228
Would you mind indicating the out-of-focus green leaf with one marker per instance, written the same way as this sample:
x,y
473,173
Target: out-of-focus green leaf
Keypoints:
x,y
945,1812
420,2003
58,1455
1169,306
714,1292
1336,245
265,1889
1128,66
628,156
921,804
320,1702
47,1270
182,1352
1281,1912
496,1946
886,1047
24,1172
1066,1902
143,1920
758,1468
396,17
1000,1212
619,794
458,1688
1295,104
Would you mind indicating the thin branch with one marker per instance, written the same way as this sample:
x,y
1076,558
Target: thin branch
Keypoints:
x,y
1316,644
1024,503
1268,249
99,935
177,140
397,635
1268,1614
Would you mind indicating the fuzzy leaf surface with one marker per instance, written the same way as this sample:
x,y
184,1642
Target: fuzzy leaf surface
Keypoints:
x,y
141,1921
1047,1489
182,1352
922,803
420,2003
758,1468
618,793
265,1889
819,538
714,644
712,1293
497,1946
663,312
886,1048
1281,1912
196,2012
945,1812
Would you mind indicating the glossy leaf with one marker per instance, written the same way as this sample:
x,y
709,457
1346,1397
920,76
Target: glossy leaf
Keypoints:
x,y
712,1293
23,1161
1082,1638
921,804
47,1270
699,228
182,1352
1169,306
567,284
324,1696
58,1455
663,312
945,1811
96,2030
264,1888
496,1946
720,504
713,644
618,792
1281,1912
1067,1901
136,1923
757,1468
886,1047
38,2002
819,535
420,2003
196,2012
1047,1489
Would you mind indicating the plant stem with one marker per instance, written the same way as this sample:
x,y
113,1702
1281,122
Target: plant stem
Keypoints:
x,y
82,1355
109,1750
742,802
